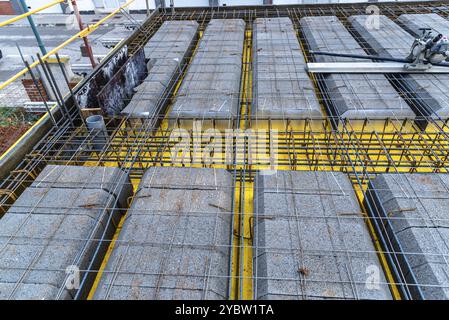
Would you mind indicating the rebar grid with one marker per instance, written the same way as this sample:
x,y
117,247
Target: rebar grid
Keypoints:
x,y
361,149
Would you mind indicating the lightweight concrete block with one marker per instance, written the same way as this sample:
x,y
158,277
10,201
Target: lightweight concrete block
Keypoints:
x,y
166,51
413,22
58,222
312,241
390,40
416,207
208,92
282,88
175,241
354,96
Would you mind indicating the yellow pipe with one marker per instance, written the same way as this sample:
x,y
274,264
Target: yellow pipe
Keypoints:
x,y
89,29
29,13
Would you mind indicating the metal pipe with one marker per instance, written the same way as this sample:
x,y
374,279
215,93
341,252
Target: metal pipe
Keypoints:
x,y
33,27
54,88
86,41
40,94
86,31
29,13
75,101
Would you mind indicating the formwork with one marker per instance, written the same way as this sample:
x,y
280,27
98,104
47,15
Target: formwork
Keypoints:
x,y
390,40
60,221
358,150
166,53
353,96
282,88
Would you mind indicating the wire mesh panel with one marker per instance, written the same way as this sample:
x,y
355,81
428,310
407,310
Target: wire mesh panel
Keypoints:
x,y
62,220
311,240
210,89
246,209
282,87
175,241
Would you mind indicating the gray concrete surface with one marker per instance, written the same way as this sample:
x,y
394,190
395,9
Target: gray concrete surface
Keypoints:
x,y
166,52
416,205
282,88
56,223
390,40
175,240
210,89
312,241
413,22
354,96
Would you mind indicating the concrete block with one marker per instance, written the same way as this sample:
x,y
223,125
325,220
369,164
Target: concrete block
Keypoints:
x,y
312,241
166,51
416,207
354,96
212,84
175,242
282,88
58,222
390,40
413,22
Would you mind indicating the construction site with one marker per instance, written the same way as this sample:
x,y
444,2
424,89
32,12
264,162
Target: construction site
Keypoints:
x,y
272,152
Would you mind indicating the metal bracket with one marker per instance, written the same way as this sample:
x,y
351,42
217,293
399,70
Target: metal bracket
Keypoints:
x,y
370,67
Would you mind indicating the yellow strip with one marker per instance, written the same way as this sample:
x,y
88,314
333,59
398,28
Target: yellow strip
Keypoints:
x,y
89,29
29,13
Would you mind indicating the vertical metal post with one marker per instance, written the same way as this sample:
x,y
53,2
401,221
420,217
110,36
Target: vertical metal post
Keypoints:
x,y
86,41
148,7
33,27
55,89
75,101
36,83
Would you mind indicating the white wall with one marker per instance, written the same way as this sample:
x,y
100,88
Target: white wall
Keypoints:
x,y
34,4
241,2
141,5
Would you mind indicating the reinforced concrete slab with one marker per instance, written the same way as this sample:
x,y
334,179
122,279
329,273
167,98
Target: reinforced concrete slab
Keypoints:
x,y
413,22
282,88
167,51
57,223
417,228
311,239
353,96
431,92
210,89
175,241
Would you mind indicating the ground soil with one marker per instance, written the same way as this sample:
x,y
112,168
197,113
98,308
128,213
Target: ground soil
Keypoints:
x,y
10,134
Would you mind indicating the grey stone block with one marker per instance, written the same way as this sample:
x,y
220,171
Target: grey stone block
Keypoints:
x,y
212,84
416,206
354,96
413,22
282,88
58,222
390,40
173,40
312,241
175,242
